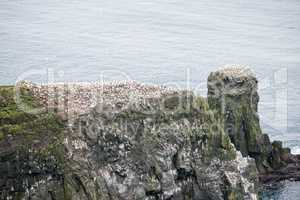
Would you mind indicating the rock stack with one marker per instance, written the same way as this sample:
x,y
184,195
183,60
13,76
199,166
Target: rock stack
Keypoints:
x,y
232,91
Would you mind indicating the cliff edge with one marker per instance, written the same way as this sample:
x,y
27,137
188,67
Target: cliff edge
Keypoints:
x,y
232,91
134,141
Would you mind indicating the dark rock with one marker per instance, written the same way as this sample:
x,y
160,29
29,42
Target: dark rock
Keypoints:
x,y
157,155
233,93
142,151
289,171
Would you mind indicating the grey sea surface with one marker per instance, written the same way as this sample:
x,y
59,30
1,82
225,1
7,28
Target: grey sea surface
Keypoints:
x,y
171,42
281,191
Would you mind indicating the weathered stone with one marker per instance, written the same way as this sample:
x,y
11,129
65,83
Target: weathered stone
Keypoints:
x,y
232,91
159,154
139,151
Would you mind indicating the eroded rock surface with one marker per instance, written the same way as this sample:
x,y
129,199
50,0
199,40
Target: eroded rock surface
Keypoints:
x,y
232,91
146,152
31,154
166,147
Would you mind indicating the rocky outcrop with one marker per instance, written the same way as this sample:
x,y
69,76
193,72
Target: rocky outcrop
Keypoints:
x,y
138,142
290,171
166,148
232,91
162,147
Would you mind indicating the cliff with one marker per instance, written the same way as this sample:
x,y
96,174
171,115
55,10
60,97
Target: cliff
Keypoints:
x,y
133,141
232,91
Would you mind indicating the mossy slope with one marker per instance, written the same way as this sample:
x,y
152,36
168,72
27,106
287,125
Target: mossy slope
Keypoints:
x,y
30,146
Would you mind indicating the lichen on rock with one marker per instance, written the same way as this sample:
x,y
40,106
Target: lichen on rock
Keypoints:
x,y
31,154
145,152
170,145
232,92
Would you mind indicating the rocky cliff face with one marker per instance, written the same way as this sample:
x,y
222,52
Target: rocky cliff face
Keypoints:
x,y
171,146
31,154
232,91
